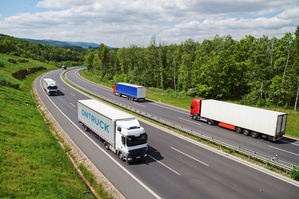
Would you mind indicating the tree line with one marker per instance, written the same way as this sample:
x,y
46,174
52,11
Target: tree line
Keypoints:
x,y
44,53
257,70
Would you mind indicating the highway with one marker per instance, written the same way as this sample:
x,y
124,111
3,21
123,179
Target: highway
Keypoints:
x,y
175,168
286,149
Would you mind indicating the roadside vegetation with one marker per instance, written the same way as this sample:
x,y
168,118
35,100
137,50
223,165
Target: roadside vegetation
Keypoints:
x,y
69,56
262,72
32,164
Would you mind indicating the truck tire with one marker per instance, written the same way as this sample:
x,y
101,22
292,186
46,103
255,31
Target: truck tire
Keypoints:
x,y
239,130
255,134
194,117
270,138
121,156
85,127
246,132
106,145
211,122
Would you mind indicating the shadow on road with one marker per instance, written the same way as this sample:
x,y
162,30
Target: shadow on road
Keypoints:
x,y
286,140
153,156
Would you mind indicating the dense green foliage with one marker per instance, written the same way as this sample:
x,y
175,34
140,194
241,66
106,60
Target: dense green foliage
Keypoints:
x,y
69,56
257,70
32,164
295,173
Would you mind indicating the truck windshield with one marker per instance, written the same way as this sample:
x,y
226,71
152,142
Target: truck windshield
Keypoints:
x,y
52,87
133,141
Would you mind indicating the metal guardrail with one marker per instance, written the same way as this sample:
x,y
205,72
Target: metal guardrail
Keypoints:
x,y
273,160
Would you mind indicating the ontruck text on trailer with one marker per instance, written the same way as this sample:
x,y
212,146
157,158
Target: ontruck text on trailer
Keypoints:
x,y
93,119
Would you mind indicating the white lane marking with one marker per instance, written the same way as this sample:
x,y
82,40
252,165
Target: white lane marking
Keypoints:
x,y
72,105
189,121
165,165
72,94
296,154
190,156
105,152
289,142
86,80
170,108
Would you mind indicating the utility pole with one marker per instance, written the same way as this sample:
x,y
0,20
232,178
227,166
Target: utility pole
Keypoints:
x,y
296,101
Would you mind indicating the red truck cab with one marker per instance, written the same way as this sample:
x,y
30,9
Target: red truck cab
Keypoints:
x,y
195,107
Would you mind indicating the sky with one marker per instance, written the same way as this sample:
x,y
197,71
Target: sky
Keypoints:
x,y
121,23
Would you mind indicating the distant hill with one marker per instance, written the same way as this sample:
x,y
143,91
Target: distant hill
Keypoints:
x,y
64,43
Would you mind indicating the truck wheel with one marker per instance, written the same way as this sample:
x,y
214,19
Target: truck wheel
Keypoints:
x,y
270,138
239,130
194,117
121,156
210,122
106,145
85,127
246,132
255,134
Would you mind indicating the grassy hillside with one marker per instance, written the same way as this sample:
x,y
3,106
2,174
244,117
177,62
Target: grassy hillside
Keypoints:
x,y
32,164
182,101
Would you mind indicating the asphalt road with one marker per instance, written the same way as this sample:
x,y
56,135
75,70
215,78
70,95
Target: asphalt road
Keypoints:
x,y
286,149
175,168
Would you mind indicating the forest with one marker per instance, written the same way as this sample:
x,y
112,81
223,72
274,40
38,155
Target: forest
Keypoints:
x,y
70,56
261,71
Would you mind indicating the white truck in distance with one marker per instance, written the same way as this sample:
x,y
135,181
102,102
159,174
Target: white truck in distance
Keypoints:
x,y
50,86
120,131
242,119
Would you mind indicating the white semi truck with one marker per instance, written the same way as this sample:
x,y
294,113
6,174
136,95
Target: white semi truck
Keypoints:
x,y
50,86
120,131
242,119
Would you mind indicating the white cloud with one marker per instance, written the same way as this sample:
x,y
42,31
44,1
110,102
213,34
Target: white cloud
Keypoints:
x,y
121,23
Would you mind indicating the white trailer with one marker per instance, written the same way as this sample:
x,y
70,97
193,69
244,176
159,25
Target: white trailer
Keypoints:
x,y
249,120
50,86
120,131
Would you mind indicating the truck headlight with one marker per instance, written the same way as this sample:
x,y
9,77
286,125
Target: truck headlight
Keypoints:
x,y
129,159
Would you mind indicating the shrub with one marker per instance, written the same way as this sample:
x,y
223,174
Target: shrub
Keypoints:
x,y
12,61
8,84
295,173
21,74
1,64
23,60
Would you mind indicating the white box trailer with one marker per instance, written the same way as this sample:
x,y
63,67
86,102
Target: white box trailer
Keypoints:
x,y
49,85
246,119
120,131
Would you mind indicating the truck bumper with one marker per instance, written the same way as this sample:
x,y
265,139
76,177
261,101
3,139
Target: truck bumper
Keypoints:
x,y
132,159
137,155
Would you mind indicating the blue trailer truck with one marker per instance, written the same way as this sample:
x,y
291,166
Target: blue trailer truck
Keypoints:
x,y
131,91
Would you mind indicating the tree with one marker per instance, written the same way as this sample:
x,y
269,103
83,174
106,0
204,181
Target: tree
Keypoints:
x,y
89,61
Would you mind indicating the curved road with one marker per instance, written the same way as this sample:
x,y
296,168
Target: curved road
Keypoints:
x,y
176,168
286,149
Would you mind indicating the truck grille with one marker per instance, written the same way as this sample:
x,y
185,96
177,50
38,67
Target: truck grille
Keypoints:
x,y
137,152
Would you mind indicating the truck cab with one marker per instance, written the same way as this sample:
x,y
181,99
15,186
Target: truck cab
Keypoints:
x,y
195,108
50,86
131,141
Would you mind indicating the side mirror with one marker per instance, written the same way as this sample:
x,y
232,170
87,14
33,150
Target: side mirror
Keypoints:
x,y
119,129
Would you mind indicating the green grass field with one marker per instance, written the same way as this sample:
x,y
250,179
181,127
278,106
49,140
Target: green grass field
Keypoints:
x,y
182,101
32,164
